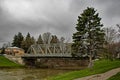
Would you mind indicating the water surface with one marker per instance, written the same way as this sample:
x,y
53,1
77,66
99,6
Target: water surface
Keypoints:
x,y
28,74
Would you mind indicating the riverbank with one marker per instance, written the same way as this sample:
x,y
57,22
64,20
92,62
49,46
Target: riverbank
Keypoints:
x,y
6,63
100,66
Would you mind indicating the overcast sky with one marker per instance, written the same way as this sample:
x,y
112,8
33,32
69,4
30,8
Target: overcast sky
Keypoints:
x,y
56,16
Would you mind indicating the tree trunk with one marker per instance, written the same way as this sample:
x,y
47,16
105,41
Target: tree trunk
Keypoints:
x,y
90,65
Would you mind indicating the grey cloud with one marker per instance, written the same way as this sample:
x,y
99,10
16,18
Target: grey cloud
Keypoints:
x,y
56,17
77,5
110,11
114,11
111,6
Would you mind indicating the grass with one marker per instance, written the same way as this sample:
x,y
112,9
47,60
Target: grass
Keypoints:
x,y
6,63
115,77
99,67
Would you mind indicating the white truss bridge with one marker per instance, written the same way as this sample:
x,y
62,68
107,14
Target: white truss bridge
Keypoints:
x,y
49,50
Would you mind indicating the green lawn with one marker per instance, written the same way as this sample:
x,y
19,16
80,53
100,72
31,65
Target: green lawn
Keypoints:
x,y
115,77
99,67
5,63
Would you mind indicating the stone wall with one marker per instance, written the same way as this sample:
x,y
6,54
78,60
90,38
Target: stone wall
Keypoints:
x,y
56,62
16,59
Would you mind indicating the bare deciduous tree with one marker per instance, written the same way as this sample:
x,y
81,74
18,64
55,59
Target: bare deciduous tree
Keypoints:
x,y
47,38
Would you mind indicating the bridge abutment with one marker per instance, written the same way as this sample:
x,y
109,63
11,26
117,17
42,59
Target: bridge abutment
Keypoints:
x,y
55,62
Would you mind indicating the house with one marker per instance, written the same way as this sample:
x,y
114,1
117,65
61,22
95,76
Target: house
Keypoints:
x,y
14,51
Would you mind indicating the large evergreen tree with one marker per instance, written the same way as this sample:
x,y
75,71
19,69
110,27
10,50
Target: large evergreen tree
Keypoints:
x,y
40,41
18,40
27,42
89,37
33,41
15,40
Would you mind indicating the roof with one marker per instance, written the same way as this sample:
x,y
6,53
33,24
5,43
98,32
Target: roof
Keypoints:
x,y
14,48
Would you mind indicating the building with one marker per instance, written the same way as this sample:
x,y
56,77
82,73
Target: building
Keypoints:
x,y
0,50
14,51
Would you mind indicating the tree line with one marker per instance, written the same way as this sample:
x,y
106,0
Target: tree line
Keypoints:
x,y
25,42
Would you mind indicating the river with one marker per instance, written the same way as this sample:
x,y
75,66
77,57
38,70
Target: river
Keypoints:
x,y
28,74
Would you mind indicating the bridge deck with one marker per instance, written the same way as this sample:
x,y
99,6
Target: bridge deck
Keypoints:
x,y
60,55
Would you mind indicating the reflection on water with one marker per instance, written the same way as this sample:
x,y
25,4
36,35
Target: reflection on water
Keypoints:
x,y
28,74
